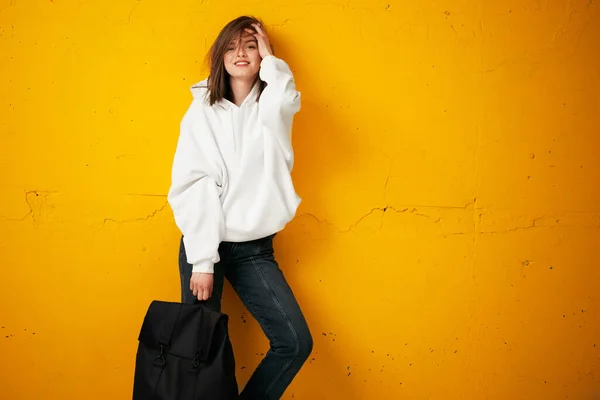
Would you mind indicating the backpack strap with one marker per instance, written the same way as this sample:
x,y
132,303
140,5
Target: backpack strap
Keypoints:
x,y
165,334
210,321
205,337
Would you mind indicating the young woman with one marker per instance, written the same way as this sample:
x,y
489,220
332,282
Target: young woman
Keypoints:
x,y
232,192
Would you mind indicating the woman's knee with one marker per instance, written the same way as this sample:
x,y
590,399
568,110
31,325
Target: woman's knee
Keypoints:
x,y
297,343
305,345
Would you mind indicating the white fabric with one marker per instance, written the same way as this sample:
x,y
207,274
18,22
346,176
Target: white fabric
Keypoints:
x,y
231,171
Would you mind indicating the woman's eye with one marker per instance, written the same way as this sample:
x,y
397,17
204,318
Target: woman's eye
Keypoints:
x,y
252,46
230,49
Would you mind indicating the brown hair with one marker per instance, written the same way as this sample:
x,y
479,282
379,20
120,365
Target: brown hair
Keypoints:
x,y
218,80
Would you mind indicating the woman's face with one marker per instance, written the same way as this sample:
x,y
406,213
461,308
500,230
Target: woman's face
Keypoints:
x,y
242,59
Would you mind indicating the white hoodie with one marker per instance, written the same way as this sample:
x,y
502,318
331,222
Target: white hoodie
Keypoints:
x,y
231,171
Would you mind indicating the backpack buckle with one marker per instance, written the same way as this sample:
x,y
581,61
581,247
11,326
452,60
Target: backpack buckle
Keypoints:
x,y
159,360
195,363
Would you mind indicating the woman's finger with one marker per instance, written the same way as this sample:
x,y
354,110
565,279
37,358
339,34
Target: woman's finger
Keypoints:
x,y
258,29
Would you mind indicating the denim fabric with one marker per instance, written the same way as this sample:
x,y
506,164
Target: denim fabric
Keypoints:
x,y
254,274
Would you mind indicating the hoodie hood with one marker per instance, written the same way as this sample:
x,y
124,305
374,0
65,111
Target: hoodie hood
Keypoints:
x,y
200,90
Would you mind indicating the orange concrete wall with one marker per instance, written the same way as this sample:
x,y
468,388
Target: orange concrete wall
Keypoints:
x,y
448,158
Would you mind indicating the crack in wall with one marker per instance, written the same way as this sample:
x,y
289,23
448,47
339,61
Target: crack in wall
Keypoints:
x,y
413,210
132,10
31,194
31,213
147,195
28,200
8,219
534,225
146,218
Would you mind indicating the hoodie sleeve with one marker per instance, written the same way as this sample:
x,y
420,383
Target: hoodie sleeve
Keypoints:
x,y
279,102
196,184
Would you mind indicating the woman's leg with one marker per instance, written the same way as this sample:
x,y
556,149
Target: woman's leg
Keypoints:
x,y
185,273
261,285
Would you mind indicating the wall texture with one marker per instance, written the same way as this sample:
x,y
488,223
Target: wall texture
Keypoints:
x,y
447,155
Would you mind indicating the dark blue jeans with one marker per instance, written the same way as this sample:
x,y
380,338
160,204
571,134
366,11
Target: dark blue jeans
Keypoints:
x,y
254,274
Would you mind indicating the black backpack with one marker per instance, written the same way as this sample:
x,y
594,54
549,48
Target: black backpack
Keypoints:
x,y
184,353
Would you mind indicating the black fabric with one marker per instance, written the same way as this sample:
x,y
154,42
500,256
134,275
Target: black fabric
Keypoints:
x,y
184,353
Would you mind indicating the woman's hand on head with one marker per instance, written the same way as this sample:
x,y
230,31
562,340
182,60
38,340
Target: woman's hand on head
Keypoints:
x,y
264,46
201,285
